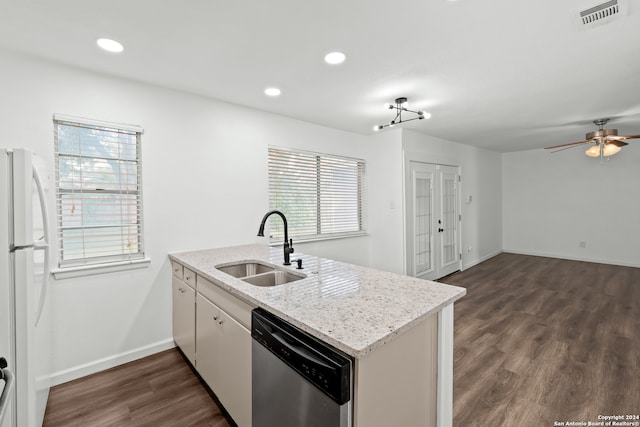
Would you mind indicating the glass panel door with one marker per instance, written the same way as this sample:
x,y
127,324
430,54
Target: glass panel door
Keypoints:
x,y
423,209
449,257
432,220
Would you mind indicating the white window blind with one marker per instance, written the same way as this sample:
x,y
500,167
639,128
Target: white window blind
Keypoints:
x,y
98,192
321,195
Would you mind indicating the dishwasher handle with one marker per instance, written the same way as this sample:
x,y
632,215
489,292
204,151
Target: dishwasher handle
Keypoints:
x,y
299,350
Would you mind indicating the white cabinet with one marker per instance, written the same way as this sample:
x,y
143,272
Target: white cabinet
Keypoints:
x,y
211,321
224,358
184,317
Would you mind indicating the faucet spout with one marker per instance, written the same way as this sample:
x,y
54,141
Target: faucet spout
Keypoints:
x,y
288,243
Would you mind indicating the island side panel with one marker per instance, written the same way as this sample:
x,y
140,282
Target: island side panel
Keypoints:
x,y
396,384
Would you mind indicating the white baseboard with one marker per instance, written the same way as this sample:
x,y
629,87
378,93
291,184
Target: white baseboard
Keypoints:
x,y
572,258
109,362
482,259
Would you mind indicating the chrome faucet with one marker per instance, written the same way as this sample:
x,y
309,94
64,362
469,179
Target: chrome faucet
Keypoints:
x,y
288,243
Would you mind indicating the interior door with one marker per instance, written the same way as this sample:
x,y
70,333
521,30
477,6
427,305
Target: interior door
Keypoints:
x,y
433,220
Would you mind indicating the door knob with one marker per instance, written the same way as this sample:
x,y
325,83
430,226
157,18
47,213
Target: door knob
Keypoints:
x,y
440,230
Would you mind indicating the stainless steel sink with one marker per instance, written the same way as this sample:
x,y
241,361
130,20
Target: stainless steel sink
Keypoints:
x,y
245,269
259,274
273,278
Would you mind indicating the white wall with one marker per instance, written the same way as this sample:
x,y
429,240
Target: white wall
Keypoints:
x,y
481,179
481,172
552,202
204,183
385,217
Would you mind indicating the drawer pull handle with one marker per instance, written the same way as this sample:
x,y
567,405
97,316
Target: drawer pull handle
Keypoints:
x,y
215,317
188,277
176,270
220,322
181,290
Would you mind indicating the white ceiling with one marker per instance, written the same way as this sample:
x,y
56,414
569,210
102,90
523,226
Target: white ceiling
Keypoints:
x,y
505,75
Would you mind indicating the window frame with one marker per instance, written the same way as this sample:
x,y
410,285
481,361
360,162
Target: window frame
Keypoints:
x,y
361,198
88,265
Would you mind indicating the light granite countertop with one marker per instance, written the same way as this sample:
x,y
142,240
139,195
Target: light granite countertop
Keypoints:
x,y
355,309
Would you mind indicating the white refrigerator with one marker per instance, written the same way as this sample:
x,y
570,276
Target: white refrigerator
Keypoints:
x,y
25,335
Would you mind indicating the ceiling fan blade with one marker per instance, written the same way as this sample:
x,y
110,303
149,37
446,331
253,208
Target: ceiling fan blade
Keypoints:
x,y
618,143
566,145
565,148
619,137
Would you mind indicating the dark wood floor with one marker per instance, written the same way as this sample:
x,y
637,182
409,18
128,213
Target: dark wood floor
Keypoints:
x,y
537,340
159,390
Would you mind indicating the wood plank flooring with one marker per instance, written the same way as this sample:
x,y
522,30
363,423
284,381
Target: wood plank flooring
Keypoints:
x,y
159,390
537,340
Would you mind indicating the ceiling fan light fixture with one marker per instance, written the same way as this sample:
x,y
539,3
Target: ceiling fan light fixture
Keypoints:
x,y
610,150
607,141
593,151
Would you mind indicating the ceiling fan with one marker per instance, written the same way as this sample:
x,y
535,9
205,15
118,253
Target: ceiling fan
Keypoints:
x,y
606,142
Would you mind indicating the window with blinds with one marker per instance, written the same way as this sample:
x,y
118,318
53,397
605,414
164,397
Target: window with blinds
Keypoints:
x,y
98,192
321,195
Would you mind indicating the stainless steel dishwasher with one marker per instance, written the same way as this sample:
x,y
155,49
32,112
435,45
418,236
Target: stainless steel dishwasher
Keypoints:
x,y
298,381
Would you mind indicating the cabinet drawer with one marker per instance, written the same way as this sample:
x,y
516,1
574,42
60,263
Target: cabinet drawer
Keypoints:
x,y
177,269
238,309
189,277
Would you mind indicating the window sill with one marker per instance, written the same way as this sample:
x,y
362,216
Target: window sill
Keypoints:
x,y
90,270
320,238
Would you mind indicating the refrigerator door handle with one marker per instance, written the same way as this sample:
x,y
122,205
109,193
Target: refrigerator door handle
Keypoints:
x,y
46,244
6,392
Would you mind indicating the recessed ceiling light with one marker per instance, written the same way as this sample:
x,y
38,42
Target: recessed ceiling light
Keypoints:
x,y
272,91
110,45
335,58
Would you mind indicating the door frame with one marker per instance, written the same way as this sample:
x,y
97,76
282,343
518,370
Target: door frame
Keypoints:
x,y
434,159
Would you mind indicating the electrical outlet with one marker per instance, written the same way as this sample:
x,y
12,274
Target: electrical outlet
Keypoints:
x,y
583,244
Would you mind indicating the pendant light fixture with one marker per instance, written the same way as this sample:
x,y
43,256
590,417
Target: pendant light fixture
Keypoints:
x,y
401,106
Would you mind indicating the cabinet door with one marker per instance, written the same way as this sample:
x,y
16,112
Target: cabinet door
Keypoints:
x,y
224,359
184,318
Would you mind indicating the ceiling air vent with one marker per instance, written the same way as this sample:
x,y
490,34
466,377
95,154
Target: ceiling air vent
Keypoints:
x,y
601,13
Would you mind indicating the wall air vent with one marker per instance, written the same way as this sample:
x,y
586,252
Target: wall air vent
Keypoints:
x,y
602,13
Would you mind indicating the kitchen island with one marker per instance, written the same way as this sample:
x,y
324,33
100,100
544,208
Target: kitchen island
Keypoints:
x,y
398,329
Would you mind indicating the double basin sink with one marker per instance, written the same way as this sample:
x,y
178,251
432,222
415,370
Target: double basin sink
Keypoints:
x,y
259,274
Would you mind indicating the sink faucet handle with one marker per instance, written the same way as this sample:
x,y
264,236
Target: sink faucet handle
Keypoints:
x,y
291,245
